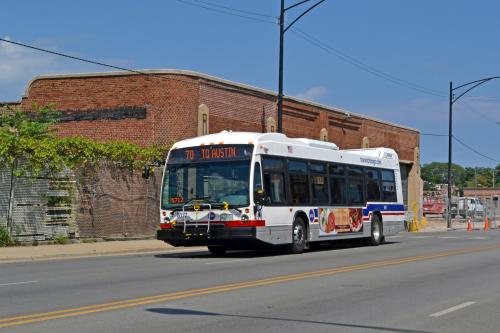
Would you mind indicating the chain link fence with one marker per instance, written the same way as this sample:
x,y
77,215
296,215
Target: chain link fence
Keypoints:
x,y
37,208
492,210
110,203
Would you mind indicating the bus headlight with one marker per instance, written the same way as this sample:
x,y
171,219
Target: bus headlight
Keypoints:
x,y
244,218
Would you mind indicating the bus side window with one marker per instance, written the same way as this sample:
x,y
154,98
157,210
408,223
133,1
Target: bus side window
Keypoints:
x,y
319,181
373,192
299,184
388,185
355,185
274,180
337,184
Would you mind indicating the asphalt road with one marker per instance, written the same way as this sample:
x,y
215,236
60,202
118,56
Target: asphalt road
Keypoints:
x,y
432,282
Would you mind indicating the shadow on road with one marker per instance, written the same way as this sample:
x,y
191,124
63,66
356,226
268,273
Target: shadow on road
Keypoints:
x,y
186,312
272,251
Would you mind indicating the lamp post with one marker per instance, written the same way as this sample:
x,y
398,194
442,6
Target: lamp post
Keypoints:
x,y
468,87
284,29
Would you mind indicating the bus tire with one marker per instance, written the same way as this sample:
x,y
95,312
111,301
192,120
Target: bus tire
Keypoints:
x,y
299,235
376,234
217,250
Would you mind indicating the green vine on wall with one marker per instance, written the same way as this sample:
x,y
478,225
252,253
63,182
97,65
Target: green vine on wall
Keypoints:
x,y
31,137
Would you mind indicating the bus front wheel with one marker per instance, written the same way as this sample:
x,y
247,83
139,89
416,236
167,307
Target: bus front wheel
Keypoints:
x,y
298,236
376,235
217,250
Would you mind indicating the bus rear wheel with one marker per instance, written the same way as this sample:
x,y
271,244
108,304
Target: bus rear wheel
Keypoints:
x,y
217,250
376,235
298,236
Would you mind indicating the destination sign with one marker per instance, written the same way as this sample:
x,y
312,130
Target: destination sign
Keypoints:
x,y
211,153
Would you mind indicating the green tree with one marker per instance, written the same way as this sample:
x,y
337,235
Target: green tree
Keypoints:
x,y
437,173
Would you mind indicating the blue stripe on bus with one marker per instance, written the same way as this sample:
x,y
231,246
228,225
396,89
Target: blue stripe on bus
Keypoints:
x,y
383,208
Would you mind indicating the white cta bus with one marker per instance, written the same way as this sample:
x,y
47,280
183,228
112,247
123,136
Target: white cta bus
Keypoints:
x,y
236,190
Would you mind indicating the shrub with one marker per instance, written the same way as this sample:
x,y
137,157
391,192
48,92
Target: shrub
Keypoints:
x,y
5,238
61,239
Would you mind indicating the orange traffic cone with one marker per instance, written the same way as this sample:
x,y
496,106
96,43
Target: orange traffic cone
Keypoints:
x,y
469,224
486,224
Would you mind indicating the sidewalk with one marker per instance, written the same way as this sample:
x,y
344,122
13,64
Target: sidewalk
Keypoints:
x,y
440,224
45,252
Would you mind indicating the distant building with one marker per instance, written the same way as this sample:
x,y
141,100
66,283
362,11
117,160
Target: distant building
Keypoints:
x,y
169,105
481,192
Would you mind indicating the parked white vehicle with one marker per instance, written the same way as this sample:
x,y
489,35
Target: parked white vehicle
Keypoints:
x,y
470,206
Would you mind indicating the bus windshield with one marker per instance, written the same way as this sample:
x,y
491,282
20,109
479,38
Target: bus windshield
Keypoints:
x,y
219,182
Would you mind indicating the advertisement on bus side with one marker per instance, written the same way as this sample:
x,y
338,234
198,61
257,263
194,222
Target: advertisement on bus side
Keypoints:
x,y
334,221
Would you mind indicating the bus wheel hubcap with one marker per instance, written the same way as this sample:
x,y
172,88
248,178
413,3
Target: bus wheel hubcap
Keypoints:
x,y
376,230
298,234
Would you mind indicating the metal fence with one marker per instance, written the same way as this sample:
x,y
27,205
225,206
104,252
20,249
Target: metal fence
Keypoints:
x,y
37,208
492,210
110,203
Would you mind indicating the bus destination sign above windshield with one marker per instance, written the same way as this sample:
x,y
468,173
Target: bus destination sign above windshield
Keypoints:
x,y
210,153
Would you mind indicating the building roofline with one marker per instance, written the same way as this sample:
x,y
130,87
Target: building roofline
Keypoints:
x,y
10,103
194,74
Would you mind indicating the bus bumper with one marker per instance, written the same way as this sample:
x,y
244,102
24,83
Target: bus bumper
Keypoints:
x,y
239,237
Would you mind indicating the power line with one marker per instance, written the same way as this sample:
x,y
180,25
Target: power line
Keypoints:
x,y
71,57
234,9
360,65
474,150
470,109
152,75
64,55
226,10
433,134
230,11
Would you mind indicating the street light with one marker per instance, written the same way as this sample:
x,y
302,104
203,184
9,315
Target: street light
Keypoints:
x,y
284,29
470,85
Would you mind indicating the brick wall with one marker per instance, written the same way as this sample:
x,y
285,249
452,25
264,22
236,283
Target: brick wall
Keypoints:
x,y
171,105
171,102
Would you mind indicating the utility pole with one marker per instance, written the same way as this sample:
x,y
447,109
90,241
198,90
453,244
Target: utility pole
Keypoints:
x,y
284,29
280,83
470,85
475,178
450,135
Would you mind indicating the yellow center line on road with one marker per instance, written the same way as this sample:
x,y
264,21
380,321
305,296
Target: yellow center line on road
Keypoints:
x,y
78,311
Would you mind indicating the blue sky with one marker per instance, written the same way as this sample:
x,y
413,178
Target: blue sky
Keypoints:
x,y
425,43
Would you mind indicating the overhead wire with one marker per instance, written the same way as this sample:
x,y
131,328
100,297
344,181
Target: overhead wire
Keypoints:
x,y
81,59
315,41
474,150
477,112
227,10
360,65
234,9
433,134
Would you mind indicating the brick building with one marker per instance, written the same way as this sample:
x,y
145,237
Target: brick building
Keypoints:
x,y
169,105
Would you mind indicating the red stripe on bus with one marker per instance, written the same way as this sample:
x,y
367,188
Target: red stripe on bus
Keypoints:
x,y
250,223
229,224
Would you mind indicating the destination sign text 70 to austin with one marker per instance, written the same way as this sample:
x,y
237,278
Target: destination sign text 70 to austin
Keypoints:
x,y
212,153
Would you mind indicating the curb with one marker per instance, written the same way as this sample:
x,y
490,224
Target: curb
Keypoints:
x,y
99,255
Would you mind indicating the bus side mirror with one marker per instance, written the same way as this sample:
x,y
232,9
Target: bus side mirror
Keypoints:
x,y
258,196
